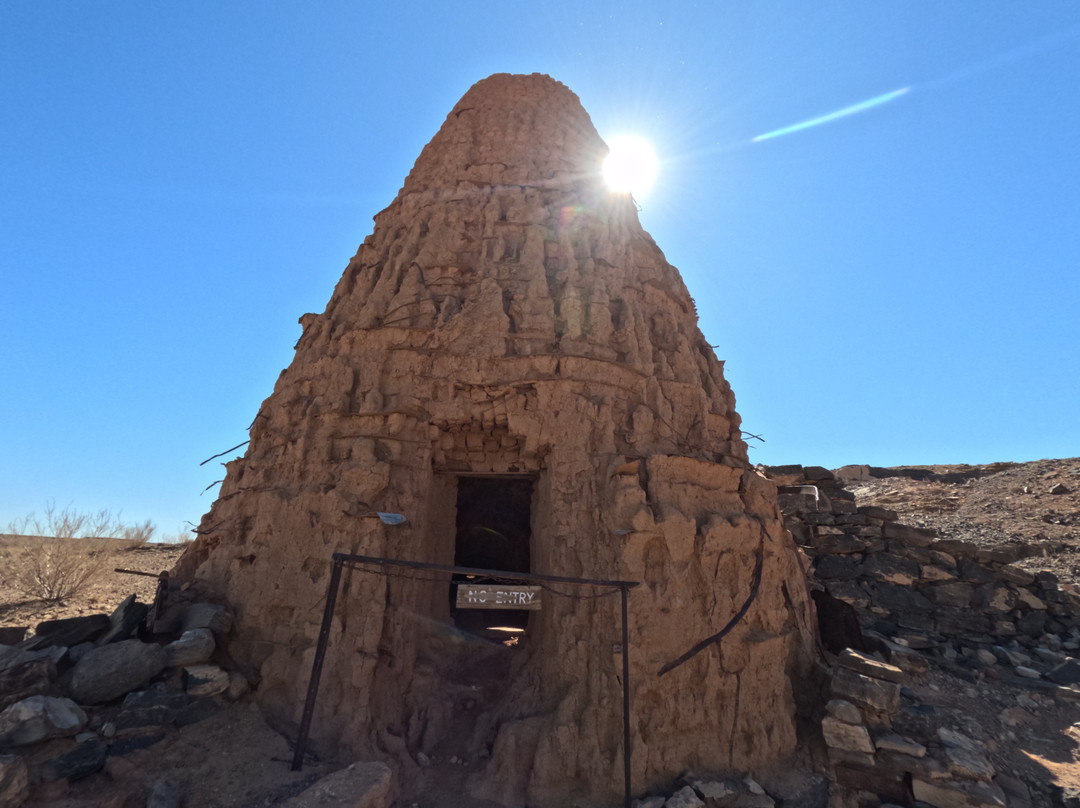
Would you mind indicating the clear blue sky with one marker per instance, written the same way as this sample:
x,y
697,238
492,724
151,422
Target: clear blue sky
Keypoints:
x,y
179,182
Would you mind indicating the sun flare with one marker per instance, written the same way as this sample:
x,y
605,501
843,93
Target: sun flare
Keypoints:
x,y
631,165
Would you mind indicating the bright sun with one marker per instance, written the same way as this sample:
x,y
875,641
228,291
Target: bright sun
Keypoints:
x,y
631,166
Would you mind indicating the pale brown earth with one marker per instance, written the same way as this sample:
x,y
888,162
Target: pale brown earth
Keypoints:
x,y
101,594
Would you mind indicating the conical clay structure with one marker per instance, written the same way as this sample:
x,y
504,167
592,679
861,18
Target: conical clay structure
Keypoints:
x,y
510,363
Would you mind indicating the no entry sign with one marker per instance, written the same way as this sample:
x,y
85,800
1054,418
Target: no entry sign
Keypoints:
x,y
497,596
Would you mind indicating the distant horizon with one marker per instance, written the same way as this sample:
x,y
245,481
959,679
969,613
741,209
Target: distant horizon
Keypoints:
x,y
175,538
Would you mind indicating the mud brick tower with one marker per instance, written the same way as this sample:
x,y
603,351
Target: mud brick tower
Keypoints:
x,y
511,364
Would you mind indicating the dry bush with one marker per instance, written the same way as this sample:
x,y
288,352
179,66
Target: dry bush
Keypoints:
x,y
53,568
138,535
66,549
180,537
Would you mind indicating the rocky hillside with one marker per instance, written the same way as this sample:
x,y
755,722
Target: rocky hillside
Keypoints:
x,y
1035,506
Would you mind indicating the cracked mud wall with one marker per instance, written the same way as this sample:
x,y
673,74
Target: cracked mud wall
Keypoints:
x,y
509,316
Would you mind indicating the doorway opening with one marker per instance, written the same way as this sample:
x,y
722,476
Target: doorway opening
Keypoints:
x,y
492,532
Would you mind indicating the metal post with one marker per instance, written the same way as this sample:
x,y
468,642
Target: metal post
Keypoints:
x,y
624,591
317,665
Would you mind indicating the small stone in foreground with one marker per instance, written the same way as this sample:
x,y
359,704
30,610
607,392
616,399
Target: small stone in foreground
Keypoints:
x,y
133,743
844,711
1067,673
82,761
685,797
193,647
238,686
361,785
849,737
1015,716
205,680
40,717
865,691
731,791
164,795
14,781
207,615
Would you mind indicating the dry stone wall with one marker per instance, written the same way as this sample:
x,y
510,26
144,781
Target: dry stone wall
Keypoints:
x,y
971,605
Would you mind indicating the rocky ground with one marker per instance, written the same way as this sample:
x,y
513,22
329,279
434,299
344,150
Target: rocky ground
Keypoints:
x,y
1030,737
1036,505
232,758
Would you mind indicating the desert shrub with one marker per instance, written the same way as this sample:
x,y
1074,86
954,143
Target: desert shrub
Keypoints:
x,y
180,537
53,568
64,551
68,524
138,535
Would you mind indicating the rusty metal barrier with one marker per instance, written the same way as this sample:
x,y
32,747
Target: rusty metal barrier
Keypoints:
x,y
339,560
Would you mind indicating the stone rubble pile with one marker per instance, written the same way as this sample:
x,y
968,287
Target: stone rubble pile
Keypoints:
x,y
884,744
83,690
905,596
727,792
969,605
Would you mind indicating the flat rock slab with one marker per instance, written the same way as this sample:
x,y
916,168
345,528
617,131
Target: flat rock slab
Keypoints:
x,y
67,631
868,666
865,691
361,785
108,672
891,742
956,794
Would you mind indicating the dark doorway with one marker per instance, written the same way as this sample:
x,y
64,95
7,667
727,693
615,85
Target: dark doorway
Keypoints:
x,y
492,532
